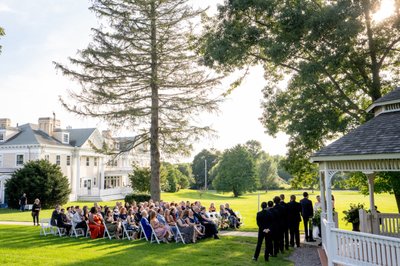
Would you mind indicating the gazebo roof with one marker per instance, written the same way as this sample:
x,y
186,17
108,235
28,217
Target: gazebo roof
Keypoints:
x,y
390,98
379,138
380,135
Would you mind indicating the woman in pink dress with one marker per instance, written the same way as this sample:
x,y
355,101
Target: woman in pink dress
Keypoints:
x,y
161,230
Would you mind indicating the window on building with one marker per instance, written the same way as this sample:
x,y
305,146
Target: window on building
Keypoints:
x,y
47,157
95,161
20,159
58,159
68,160
65,138
112,181
87,161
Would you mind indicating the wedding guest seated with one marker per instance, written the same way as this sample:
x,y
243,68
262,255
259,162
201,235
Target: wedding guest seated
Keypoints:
x,y
95,224
123,214
224,214
145,224
54,216
192,220
212,208
234,221
85,213
170,220
78,219
160,230
62,221
113,227
210,227
132,224
188,231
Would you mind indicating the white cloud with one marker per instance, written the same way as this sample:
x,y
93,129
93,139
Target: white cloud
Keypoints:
x,y
5,8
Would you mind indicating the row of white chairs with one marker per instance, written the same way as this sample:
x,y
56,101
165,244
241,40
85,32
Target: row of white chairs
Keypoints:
x,y
46,228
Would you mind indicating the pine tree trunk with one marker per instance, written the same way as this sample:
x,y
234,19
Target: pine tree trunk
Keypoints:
x,y
155,189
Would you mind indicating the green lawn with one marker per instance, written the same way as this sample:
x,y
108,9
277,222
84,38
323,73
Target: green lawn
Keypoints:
x,y
247,204
22,245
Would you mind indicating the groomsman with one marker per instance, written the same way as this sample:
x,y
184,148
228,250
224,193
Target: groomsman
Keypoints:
x,y
264,221
307,213
285,240
294,211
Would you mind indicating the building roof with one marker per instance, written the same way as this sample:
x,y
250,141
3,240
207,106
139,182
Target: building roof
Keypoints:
x,y
380,135
30,134
78,136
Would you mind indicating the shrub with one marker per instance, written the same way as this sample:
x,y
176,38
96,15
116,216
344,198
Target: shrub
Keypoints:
x,y
130,198
38,179
352,215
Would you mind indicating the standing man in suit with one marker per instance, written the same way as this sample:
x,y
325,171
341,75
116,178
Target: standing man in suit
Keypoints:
x,y
279,212
264,222
285,241
294,212
307,213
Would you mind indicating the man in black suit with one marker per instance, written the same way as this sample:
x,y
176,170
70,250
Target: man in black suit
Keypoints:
x,y
279,212
294,211
264,222
307,213
285,240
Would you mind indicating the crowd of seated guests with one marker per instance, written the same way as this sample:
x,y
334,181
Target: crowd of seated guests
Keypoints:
x,y
166,218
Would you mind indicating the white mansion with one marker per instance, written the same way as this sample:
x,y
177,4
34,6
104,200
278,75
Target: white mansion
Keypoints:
x,y
92,176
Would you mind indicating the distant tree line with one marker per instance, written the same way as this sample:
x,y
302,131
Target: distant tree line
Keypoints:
x,y
242,168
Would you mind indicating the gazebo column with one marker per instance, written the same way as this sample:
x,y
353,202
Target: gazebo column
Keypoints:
x,y
328,242
371,189
322,193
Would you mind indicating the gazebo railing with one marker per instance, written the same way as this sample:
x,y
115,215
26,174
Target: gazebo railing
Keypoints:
x,y
389,224
356,248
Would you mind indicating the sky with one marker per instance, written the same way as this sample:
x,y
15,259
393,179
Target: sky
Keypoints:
x,y
42,31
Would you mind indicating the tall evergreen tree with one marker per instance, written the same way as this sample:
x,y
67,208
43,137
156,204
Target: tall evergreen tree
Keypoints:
x,y
139,72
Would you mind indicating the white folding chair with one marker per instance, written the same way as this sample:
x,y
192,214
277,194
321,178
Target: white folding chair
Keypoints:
x,y
238,215
87,229
178,235
106,232
154,237
126,231
142,232
59,230
76,231
46,227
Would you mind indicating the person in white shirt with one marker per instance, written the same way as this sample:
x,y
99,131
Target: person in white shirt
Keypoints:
x,y
317,204
78,220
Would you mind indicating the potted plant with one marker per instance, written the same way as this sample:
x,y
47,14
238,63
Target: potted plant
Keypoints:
x,y
352,215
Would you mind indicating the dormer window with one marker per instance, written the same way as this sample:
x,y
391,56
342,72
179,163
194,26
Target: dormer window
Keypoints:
x,y
65,138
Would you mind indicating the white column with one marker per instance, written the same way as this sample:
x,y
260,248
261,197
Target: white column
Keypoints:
x,y
330,224
101,173
322,193
78,173
374,215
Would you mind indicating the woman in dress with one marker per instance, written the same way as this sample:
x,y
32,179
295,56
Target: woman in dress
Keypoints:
x,y
35,211
113,227
212,208
188,231
95,224
160,230
191,220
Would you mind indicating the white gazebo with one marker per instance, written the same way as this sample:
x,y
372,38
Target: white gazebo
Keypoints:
x,y
371,148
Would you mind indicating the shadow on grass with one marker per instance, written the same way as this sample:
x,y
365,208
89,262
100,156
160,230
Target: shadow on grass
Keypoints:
x,y
51,250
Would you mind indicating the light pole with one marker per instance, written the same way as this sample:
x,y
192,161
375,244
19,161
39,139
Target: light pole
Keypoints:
x,y
205,174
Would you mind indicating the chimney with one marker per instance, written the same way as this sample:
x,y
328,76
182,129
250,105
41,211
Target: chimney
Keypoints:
x,y
5,123
48,124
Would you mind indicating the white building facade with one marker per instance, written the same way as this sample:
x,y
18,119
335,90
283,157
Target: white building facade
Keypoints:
x,y
93,176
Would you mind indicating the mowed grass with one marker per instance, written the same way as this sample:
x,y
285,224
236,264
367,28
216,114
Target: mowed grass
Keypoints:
x,y
247,204
22,245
